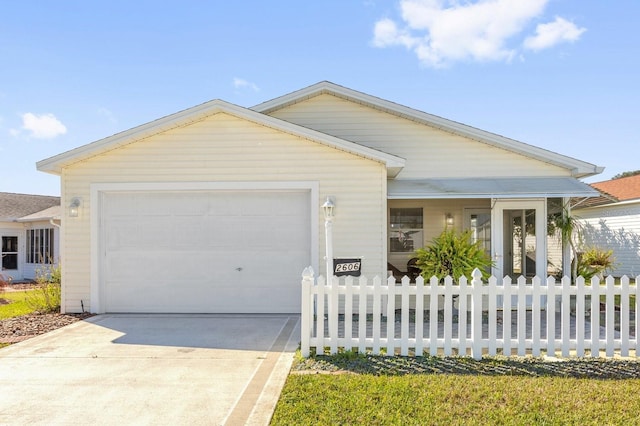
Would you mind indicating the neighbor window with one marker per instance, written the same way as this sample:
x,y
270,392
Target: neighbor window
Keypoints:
x,y
9,253
40,246
405,229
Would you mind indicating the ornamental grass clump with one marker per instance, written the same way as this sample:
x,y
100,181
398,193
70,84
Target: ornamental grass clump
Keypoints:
x,y
45,298
453,254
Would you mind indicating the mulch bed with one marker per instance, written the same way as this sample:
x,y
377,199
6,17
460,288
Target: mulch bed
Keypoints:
x,y
17,329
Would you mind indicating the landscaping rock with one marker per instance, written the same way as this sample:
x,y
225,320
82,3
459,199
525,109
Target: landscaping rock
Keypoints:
x,y
17,329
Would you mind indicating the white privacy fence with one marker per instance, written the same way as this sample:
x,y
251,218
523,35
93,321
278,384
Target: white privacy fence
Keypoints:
x,y
476,318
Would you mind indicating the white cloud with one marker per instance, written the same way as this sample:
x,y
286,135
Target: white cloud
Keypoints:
x,y
44,126
240,83
441,32
558,31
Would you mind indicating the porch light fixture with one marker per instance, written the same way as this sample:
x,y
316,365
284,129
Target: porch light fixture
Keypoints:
x,y
74,207
329,209
448,219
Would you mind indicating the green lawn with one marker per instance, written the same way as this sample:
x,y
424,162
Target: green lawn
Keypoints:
x,y
18,305
432,391
456,399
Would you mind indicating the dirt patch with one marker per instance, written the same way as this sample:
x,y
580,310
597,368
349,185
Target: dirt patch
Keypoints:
x,y
4,301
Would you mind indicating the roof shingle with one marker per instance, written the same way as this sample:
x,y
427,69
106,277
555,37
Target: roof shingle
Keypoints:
x,y
14,206
623,189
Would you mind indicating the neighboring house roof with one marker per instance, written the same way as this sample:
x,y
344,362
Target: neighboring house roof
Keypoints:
x,y
56,163
577,168
15,206
52,213
623,189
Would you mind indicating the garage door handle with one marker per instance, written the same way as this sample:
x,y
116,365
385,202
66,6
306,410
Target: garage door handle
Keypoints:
x,y
238,269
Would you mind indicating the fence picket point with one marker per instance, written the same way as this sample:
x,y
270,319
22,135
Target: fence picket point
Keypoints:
x,y
609,316
433,316
333,312
419,326
595,317
476,314
463,307
404,317
362,314
521,291
566,317
551,316
636,292
377,296
306,312
320,316
535,316
348,314
448,314
391,319
506,316
624,316
581,335
493,314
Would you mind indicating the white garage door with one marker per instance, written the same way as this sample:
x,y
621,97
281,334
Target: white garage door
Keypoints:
x,y
208,251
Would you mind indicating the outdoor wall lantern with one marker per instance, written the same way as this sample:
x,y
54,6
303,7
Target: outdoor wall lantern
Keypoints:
x,y
74,207
329,209
448,219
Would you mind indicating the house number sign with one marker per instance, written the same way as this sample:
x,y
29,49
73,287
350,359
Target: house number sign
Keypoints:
x,y
343,267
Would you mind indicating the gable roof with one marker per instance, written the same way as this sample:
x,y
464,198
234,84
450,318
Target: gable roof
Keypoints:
x,y
52,213
623,189
183,118
15,206
577,168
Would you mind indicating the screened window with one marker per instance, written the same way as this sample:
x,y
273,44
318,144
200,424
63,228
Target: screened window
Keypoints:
x,y
405,233
40,246
9,253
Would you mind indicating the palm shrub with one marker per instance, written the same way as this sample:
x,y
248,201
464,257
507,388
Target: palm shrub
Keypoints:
x,y
453,254
595,261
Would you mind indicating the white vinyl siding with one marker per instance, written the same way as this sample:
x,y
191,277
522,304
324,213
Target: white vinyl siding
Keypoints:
x,y
224,148
615,227
429,152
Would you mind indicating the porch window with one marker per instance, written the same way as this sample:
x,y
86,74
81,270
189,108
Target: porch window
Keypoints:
x,y
9,253
40,246
405,229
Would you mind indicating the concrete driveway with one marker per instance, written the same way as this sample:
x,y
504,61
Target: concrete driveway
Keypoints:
x,y
150,369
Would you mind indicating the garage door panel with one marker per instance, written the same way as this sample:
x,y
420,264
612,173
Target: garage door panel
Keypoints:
x,y
216,251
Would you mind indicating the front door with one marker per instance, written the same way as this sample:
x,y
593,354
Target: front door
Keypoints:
x,y
519,238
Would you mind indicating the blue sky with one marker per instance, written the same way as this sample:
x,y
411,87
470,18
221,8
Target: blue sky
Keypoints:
x,y
558,74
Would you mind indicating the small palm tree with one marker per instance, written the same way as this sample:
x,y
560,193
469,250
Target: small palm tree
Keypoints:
x,y
453,254
570,229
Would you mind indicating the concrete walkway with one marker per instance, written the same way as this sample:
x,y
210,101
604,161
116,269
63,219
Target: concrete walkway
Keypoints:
x,y
150,369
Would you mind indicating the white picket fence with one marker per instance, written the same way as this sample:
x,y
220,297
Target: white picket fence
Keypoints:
x,y
557,319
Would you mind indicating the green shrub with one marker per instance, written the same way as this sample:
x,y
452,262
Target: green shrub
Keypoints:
x,y
453,254
46,296
595,261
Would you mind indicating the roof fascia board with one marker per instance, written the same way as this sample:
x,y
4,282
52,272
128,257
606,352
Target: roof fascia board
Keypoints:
x,y
577,167
183,118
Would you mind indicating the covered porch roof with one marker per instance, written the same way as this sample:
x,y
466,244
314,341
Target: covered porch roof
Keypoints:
x,y
526,187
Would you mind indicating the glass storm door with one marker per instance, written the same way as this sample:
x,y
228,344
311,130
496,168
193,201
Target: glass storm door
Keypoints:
x,y
9,253
519,238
